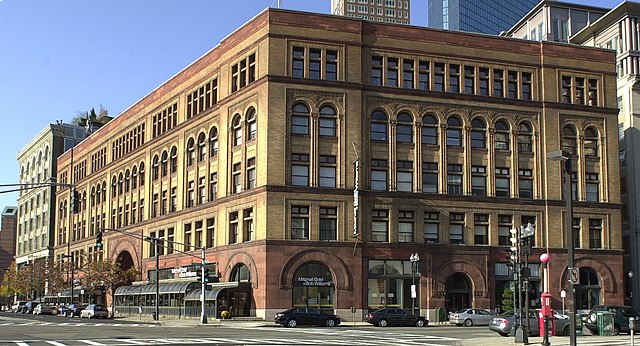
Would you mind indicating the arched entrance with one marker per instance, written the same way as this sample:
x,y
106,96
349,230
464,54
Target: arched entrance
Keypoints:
x,y
238,300
458,292
124,260
313,286
588,291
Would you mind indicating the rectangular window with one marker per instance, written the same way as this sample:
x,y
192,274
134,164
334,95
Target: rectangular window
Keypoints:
x,y
456,228
186,237
526,86
407,73
247,226
328,223
469,80
379,225
512,84
152,246
438,76
191,195
171,238
525,183
233,227
197,242
576,233
376,70
405,226
300,169
392,72
454,78
211,233
315,63
235,75
154,208
251,173
300,222
431,228
174,200
379,169
566,89
526,220
332,65
498,83
404,176
202,190
592,187
327,174
483,81
430,177
595,233
454,179
503,182
580,90
479,180
593,92
213,186
481,229
237,180
298,62
505,224
423,75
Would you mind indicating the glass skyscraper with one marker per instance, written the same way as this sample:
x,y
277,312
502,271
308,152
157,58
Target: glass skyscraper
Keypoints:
x,y
483,16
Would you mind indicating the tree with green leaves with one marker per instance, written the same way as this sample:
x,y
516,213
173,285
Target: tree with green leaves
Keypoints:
x,y
32,279
507,299
99,118
108,274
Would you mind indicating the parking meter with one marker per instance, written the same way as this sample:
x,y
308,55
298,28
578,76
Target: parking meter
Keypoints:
x,y
632,326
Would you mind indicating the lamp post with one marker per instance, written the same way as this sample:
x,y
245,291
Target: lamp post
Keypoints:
x,y
414,258
564,156
546,300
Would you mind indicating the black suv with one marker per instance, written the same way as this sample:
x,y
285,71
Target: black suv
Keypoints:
x,y
621,316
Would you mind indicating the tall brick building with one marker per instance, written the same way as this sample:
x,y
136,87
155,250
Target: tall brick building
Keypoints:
x,y
249,152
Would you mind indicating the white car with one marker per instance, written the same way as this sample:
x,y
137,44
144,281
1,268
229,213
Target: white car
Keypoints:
x,y
94,311
43,309
17,306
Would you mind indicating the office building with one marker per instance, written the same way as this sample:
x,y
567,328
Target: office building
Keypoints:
x,y
388,11
482,16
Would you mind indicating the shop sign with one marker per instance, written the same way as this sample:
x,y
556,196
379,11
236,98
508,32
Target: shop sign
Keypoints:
x,y
312,281
183,272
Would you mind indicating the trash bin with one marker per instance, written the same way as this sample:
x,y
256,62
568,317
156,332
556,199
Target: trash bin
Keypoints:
x,y
579,325
605,323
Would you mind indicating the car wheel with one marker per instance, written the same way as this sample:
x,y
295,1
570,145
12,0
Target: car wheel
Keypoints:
x,y
503,334
420,323
292,323
383,323
468,323
566,331
330,322
616,330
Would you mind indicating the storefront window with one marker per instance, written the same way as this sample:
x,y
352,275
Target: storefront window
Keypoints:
x,y
313,286
389,284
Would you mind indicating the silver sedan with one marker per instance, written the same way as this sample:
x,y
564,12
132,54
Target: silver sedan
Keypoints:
x,y
471,317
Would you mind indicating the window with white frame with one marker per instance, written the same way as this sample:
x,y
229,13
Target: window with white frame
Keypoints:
x,y
405,226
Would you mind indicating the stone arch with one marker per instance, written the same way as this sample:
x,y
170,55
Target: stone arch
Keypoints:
x,y
605,274
478,280
123,244
234,260
339,269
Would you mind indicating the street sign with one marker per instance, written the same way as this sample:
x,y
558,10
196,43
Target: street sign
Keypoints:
x,y
574,275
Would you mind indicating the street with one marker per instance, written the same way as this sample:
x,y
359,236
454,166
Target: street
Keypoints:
x,y
32,330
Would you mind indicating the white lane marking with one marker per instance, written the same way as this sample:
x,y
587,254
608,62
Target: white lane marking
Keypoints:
x,y
55,343
89,342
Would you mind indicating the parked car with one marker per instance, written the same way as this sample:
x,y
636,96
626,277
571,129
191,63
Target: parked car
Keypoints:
x,y
306,316
71,310
17,306
28,307
471,317
621,316
94,311
395,317
44,309
503,324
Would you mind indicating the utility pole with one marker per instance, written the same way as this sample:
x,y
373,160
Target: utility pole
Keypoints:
x,y
203,288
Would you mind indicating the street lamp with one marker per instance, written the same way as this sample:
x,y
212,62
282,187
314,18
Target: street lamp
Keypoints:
x,y
414,258
565,156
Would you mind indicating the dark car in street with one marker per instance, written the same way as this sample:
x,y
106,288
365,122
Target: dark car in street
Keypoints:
x,y
503,324
71,310
621,315
306,317
395,317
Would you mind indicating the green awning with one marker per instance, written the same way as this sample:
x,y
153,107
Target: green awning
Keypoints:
x,y
163,288
212,290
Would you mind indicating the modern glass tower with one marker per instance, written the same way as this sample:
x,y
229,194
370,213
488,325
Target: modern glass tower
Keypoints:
x,y
483,16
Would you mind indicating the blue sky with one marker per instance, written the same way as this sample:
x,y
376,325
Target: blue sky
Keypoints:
x,y
60,57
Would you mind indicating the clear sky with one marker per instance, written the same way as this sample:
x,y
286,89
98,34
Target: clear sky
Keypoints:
x,y
58,57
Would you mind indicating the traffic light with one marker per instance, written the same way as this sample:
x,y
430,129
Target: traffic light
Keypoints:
x,y
207,278
99,239
75,201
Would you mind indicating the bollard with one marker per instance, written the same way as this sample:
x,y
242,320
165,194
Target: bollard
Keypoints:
x,y
545,337
632,326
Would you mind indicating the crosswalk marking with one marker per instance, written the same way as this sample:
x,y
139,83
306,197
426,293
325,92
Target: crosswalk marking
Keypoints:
x,y
55,343
94,343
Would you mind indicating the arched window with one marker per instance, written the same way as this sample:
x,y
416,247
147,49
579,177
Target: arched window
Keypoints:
x,y
478,134
327,123
93,196
202,147
302,290
120,183
569,139
429,130
252,126
241,273
454,132
98,194
591,142
237,130
155,168
213,141
525,142
502,135
174,160
83,205
134,178
379,125
127,181
404,128
114,185
164,164
191,155
141,173
104,191
299,119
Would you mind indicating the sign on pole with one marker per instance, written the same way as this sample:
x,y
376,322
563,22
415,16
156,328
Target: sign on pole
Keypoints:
x,y
574,275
